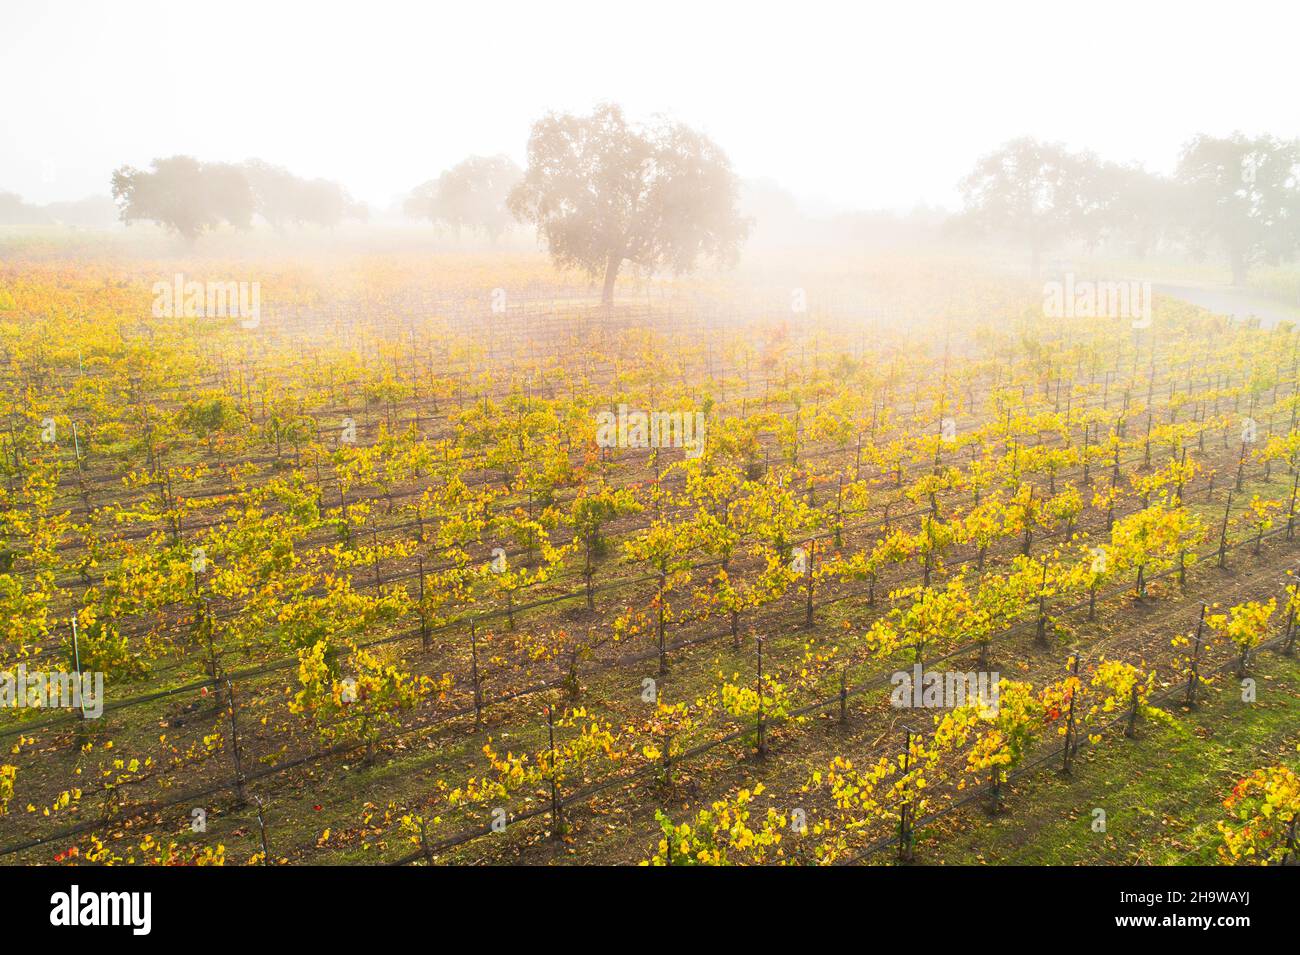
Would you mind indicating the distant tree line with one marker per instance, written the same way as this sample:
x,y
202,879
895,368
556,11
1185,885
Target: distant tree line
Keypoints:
x,y
469,196
90,212
602,192
191,197
1239,194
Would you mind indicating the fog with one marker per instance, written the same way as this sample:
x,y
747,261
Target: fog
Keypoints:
x,y
689,139
846,107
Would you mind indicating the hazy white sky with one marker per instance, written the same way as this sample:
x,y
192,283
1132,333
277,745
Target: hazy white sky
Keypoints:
x,y
869,105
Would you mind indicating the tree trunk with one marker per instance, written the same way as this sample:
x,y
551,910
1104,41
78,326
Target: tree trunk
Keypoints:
x,y
1237,258
611,274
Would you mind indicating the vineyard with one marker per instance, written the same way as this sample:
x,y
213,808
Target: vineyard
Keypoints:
x,y
367,584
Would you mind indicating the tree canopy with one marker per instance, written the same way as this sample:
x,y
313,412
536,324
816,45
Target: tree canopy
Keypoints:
x,y
1246,194
185,195
470,195
285,199
1038,192
1242,193
191,197
602,192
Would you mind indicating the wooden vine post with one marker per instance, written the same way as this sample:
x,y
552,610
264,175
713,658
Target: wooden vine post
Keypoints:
x,y
906,838
1070,744
241,797
473,674
762,716
555,792
424,620
1194,671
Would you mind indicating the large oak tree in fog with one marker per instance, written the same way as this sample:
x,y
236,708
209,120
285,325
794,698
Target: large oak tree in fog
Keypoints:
x,y
1245,193
185,195
470,195
1038,193
603,192
1133,204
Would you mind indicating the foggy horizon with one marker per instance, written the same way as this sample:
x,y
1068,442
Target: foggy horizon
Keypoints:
x,y
824,118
